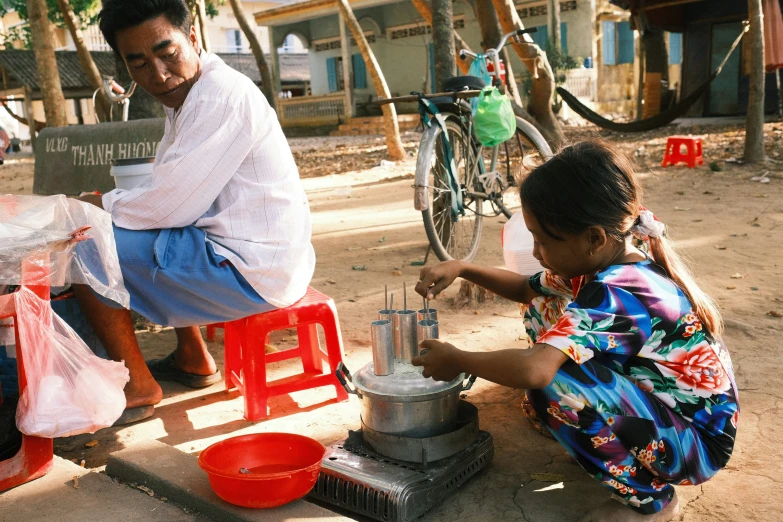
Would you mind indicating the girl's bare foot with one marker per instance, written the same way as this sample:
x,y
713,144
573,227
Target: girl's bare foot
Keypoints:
x,y
614,511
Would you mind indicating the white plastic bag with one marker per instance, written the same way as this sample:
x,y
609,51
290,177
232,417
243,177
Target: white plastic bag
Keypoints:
x,y
69,390
38,229
518,247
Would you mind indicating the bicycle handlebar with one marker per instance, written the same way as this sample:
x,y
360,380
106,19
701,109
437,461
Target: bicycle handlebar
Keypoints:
x,y
503,41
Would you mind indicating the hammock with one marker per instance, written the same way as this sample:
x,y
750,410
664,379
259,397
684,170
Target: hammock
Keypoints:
x,y
661,119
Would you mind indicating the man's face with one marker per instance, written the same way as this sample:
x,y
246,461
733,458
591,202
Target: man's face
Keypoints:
x,y
161,59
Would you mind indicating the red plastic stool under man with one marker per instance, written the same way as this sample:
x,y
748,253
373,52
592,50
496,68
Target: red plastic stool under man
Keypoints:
x,y
246,358
35,458
674,154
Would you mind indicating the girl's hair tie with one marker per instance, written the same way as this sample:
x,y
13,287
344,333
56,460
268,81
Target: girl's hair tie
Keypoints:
x,y
647,226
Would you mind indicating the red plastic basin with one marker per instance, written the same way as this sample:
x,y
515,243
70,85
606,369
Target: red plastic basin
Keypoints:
x,y
282,467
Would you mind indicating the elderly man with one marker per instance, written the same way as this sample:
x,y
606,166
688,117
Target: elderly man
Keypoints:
x,y
222,229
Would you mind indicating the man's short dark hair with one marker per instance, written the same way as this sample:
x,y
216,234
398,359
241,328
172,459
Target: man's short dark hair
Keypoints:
x,y
117,15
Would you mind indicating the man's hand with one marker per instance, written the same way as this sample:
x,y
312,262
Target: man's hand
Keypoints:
x,y
435,279
440,361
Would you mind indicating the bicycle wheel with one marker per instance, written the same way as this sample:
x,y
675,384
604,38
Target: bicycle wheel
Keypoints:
x,y
450,238
526,143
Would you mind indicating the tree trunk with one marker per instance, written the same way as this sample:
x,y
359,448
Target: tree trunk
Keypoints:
x,y
554,10
39,125
85,58
490,38
443,42
46,64
754,121
390,124
424,9
201,14
267,84
543,89
641,23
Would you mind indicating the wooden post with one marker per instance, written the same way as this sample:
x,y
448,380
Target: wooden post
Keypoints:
x,y
345,47
275,59
754,121
28,113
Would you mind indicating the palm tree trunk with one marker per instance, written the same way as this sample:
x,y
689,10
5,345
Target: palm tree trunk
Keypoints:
x,y
390,124
490,38
424,9
201,14
267,84
85,58
754,121
554,10
543,89
46,64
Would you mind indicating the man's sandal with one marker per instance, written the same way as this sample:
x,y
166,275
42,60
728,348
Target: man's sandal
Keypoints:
x,y
131,415
166,370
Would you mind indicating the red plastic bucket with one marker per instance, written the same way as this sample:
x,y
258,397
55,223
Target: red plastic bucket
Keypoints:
x,y
281,467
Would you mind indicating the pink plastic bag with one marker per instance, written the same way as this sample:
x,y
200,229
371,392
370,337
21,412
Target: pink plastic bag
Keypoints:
x,y
69,390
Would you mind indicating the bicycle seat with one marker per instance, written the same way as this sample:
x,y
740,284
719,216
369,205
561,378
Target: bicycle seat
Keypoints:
x,y
459,83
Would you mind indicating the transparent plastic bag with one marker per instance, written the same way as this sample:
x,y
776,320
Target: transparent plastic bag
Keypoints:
x,y
69,390
40,228
518,247
494,118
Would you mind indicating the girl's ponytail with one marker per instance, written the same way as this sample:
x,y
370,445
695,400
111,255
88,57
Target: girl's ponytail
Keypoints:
x,y
705,308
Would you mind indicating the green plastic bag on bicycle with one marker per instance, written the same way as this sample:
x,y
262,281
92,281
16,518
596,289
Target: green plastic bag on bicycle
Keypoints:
x,y
494,118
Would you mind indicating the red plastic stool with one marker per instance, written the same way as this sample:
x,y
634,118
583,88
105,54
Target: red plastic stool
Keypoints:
x,y
245,356
211,330
36,456
674,155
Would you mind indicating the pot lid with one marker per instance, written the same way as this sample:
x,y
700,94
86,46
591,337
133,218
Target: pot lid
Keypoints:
x,y
406,381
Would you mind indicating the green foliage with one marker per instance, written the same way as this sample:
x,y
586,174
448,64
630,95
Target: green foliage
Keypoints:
x,y
86,12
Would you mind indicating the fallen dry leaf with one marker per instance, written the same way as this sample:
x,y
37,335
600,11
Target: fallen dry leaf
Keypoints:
x,y
146,490
720,247
774,313
731,287
396,273
91,444
331,281
737,275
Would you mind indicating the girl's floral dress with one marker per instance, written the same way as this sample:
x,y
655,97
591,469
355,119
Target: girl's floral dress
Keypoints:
x,y
648,398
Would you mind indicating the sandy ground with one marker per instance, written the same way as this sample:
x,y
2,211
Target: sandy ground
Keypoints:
x,y
729,226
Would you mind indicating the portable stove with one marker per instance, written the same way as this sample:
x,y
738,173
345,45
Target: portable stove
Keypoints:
x,y
356,478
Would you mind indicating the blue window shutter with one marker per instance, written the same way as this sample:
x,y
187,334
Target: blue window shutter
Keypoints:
x,y
608,42
331,73
541,37
359,72
564,37
625,42
675,48
431,52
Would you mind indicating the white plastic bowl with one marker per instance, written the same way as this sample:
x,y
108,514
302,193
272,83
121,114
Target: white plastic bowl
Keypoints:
x,y
131,173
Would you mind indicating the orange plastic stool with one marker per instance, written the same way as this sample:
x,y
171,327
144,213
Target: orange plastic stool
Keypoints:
x,y
36,456
245,356
674,155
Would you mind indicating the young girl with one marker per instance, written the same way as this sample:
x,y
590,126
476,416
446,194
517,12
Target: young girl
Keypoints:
x,y
631,377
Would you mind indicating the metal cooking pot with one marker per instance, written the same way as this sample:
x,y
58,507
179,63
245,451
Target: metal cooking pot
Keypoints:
x,y
405,403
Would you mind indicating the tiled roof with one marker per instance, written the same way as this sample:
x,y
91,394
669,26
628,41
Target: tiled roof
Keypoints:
x,y
20,66
294,67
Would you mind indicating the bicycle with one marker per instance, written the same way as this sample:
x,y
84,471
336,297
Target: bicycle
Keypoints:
x,y
455,174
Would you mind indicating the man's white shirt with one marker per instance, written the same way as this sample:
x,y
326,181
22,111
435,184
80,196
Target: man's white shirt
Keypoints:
x,y
225,167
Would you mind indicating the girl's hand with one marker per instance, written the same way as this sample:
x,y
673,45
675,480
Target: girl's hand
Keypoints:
x,y
435,279
440,360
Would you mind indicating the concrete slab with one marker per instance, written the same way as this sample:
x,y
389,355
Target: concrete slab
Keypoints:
x,y
175,475
70,493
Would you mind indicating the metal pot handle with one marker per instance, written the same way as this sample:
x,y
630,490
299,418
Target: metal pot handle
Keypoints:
x,y
344,375
469,385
